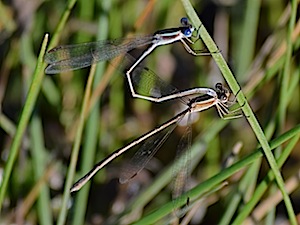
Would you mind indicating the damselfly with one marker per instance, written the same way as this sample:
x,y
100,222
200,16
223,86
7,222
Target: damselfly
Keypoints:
x,y
77,56
220,100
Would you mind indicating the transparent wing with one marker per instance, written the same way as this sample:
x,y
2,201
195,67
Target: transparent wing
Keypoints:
x,y
144,154
73,57
146,82
182,170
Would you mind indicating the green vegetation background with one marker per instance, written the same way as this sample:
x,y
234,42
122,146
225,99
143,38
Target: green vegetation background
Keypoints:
x,y
54,128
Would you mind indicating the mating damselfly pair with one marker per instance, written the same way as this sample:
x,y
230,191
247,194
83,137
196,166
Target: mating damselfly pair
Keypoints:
x,y
72,57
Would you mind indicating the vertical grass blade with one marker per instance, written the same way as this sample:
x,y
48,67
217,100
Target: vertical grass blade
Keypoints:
x,y
75,150
39,164
26,113
234,86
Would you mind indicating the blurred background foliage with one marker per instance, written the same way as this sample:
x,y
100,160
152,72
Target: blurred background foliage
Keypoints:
x,y
250,34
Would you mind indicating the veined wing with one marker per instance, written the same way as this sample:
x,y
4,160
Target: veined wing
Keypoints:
x,y
146,82
73,57
182,169
145,153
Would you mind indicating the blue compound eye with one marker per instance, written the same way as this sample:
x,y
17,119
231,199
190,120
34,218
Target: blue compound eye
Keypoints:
x,y
184,21
187,32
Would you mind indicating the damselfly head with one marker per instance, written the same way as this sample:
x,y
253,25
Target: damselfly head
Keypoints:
x,y
223,97
223,93
184,21
219,87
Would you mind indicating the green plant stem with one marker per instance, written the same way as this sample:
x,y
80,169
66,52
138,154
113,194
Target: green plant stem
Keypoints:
x,y
7,125
262,187
197,152
39,160
200,189
48,86
247,39
25,116
62,22
234,86
287,64
235,199
164,177
91,136
75,149
26,113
